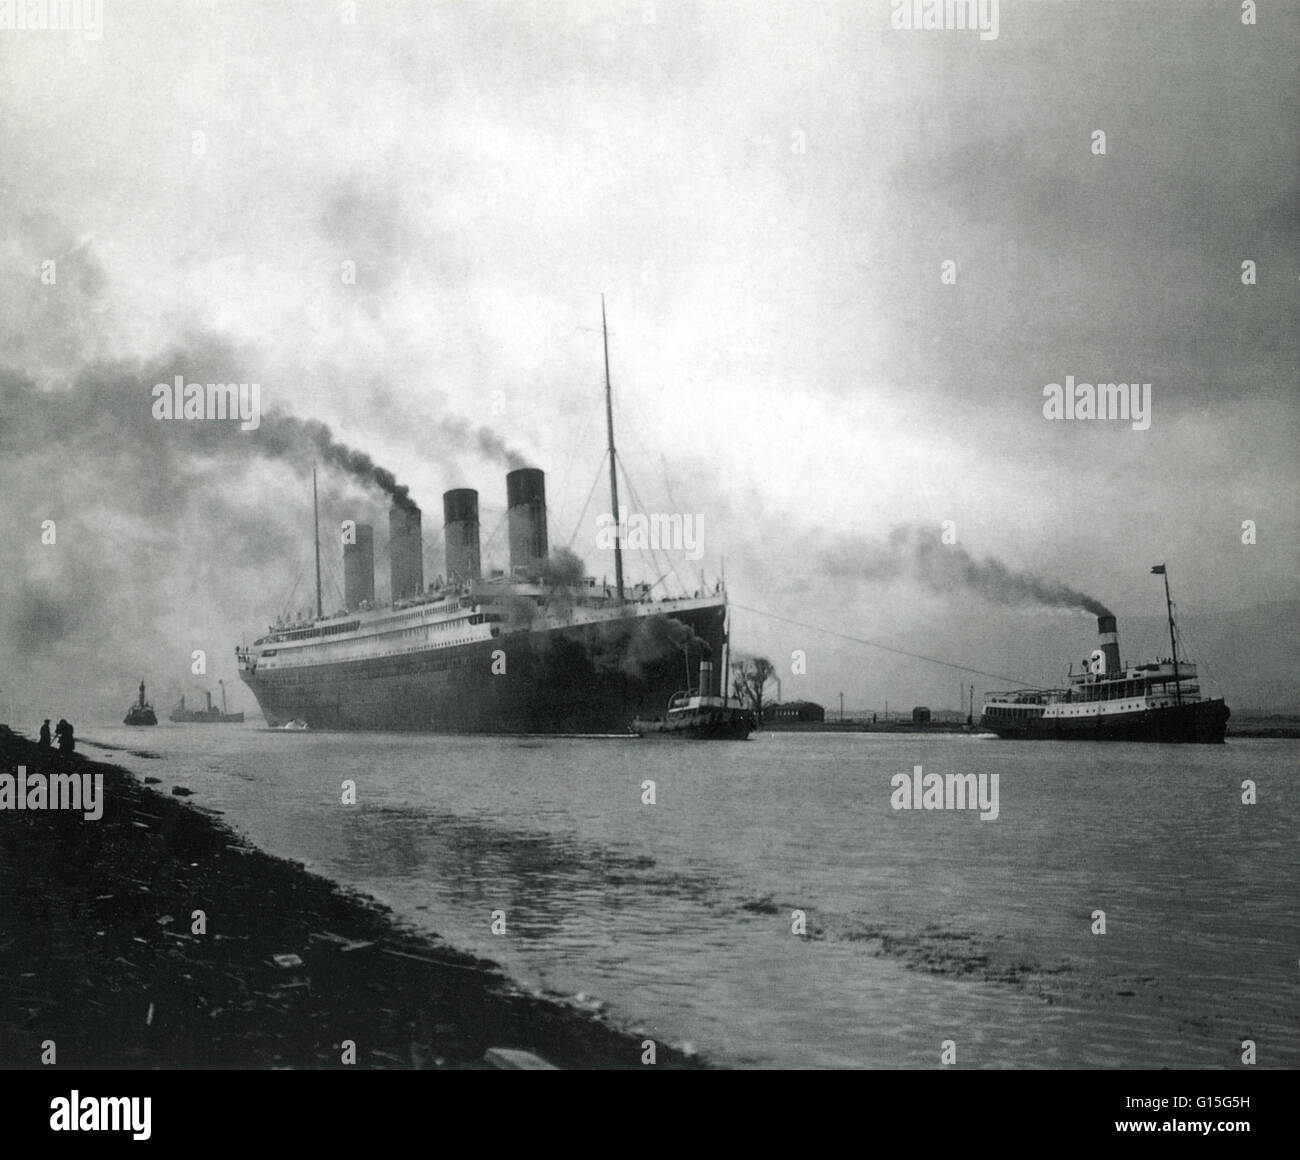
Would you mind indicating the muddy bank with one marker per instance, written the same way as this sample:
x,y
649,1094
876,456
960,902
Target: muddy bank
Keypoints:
x,y
101,952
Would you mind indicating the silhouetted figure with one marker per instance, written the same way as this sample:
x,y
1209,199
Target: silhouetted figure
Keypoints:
x,y
44,740
63,730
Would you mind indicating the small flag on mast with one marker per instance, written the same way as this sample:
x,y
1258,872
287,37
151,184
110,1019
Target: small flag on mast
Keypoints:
x,y
1158,570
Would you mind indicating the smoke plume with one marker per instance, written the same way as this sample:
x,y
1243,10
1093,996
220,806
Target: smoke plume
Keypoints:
x,y
286,435
563,569
630,649
488,443
133,541
113,403
917,553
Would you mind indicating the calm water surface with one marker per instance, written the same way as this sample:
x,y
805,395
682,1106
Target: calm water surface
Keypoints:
x,y
922,926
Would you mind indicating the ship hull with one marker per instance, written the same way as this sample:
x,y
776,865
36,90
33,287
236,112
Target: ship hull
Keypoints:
x,y
1197,722
590,678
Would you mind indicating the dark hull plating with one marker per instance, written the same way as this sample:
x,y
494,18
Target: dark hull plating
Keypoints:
x,y
581,679
1198,721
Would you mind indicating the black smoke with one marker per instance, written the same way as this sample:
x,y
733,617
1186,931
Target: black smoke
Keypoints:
x,y
486,441
173,535
917,553
629,648
563,569
287,436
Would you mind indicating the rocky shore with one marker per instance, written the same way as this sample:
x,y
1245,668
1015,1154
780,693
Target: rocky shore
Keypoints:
x,y
104,956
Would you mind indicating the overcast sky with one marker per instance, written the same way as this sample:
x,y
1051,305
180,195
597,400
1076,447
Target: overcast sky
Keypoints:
x,y
766,194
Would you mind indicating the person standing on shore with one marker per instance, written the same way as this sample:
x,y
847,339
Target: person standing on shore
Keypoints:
x,y
64,731
44,741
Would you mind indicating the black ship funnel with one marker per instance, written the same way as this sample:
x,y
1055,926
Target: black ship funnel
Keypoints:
x,y
1109,643
405,552
460,518
359,568
526,516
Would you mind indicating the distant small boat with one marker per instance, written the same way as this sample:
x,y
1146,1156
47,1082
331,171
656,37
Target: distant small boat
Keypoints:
x,y
211,714
297,725
141,713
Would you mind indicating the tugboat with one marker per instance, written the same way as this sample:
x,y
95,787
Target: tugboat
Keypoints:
x,y
699,715
1158,701
141,713
211,714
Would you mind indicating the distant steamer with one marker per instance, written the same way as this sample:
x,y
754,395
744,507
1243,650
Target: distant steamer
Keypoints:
x,y
141,713
527,652
209,715
1158,701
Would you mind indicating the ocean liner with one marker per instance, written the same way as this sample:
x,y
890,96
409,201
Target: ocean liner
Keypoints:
x,y
534,650
1158,701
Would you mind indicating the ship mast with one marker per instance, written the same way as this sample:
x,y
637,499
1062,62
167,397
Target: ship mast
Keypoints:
x,y
1173,640
726,640
315,521
726,652
613,470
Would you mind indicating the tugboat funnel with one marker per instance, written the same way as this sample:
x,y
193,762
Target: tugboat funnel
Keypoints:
x,y
1109,643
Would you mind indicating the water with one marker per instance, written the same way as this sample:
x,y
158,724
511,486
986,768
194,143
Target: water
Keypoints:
x,y
923,926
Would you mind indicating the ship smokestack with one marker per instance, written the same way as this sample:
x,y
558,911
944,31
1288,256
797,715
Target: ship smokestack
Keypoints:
x,y
460,519
359,568
526,516
1109,643
405,552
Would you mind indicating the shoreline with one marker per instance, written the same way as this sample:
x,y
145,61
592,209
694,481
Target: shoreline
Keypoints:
x,y
1249,727
102,953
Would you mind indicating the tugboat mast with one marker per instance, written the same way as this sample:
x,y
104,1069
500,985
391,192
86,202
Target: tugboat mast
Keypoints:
x,y
1173,640
613,470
